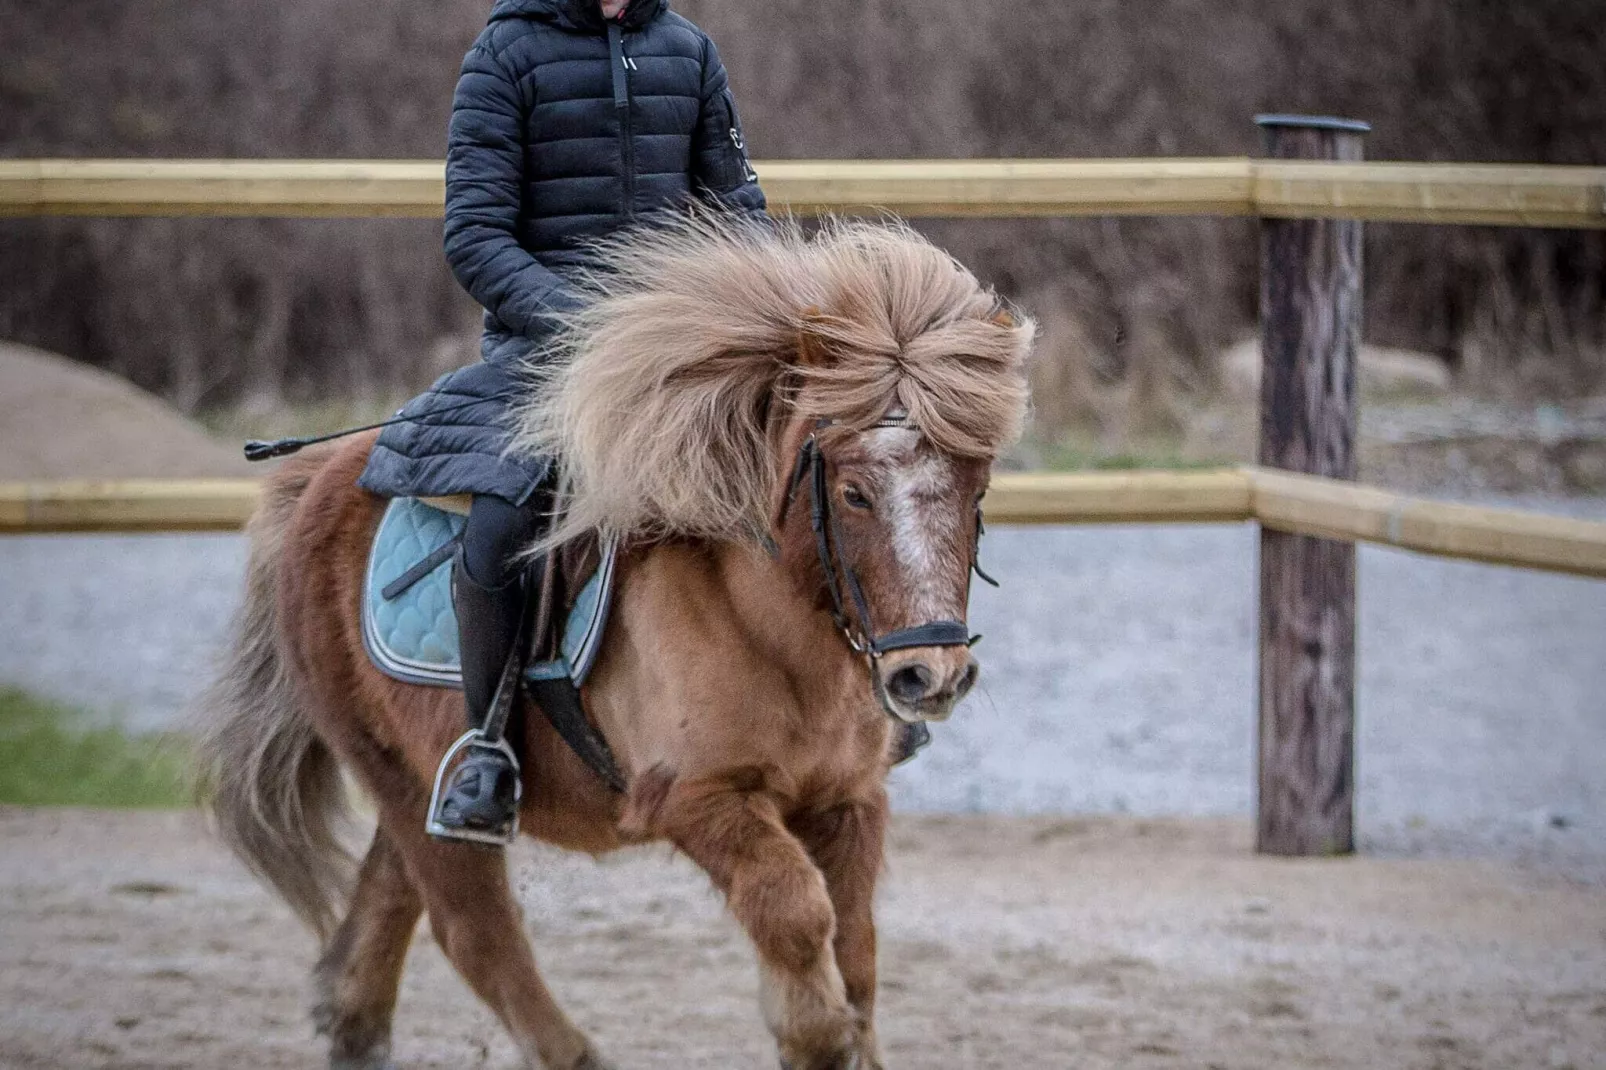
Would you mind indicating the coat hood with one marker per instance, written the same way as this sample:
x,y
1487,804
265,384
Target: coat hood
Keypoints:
x,y
578,16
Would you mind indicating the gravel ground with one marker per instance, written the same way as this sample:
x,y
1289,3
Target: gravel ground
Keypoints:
x,y
132,941
1118,676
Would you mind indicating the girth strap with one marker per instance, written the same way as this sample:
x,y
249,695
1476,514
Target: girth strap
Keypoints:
x,y
560,700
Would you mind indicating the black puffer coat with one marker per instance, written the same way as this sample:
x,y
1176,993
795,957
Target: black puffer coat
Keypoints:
x,y
564,128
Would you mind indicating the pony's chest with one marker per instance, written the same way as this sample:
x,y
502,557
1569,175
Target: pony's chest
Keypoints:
x,y
835,756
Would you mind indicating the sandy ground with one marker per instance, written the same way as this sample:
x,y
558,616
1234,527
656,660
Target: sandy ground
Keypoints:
x,y
130,940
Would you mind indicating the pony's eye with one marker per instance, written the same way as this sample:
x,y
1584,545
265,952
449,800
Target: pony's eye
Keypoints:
x,y
855,497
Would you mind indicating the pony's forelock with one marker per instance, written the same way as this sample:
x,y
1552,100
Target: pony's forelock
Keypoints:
x,y
659,394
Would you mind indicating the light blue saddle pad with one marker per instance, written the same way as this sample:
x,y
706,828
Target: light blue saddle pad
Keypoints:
x,y
413,636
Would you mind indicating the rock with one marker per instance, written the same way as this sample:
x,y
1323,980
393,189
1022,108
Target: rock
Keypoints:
x,y
1382,371
60,419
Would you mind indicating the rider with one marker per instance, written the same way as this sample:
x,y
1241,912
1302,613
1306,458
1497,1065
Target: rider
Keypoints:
x,y
572,119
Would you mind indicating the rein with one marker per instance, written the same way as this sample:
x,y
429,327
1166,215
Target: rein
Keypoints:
x,y
842,581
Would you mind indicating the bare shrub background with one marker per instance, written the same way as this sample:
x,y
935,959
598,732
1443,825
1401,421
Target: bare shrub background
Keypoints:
x,y
210,312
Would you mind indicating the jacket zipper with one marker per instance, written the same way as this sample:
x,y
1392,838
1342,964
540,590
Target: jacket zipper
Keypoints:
x,y
621,66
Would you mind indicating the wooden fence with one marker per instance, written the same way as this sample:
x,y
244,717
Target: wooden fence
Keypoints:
x,y
1311,191
1300,505
1402,192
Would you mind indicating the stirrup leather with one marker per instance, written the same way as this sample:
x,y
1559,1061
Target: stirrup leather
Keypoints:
x,y
472,740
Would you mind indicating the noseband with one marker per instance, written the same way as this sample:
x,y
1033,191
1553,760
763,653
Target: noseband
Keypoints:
x,y
842,581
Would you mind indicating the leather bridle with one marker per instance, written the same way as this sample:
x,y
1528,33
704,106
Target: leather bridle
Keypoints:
x,y
842,580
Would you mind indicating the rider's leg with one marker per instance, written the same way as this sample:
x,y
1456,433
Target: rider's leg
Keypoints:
x,y
489,595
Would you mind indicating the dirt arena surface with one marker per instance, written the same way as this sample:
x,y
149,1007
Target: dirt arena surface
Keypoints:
x,y
130,940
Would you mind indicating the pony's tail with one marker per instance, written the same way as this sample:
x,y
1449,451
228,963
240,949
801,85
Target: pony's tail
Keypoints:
x,y
273,787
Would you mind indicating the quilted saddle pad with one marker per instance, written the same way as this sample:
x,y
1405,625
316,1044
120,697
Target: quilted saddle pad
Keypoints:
x,y
412,635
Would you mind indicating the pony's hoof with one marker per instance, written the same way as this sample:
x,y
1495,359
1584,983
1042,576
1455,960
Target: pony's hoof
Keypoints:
x,y
851,1060
592,1061
374,1059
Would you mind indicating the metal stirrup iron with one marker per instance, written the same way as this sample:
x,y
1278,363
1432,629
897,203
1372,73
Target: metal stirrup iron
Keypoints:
x,y
490,736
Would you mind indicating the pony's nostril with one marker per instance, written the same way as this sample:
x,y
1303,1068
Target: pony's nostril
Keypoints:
x,y
912,683
967,680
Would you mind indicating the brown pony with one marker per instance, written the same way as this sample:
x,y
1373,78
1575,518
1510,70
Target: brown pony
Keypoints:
x,y
754,737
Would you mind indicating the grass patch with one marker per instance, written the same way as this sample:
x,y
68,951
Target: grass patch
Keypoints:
x,y
1074,455
48,757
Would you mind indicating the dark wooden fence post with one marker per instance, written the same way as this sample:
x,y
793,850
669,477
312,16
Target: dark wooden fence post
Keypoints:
x,y
1310,327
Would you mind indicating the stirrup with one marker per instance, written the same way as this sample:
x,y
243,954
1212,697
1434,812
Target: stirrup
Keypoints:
x,y
474,739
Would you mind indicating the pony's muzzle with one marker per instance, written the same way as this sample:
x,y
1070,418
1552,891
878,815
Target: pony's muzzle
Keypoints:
x,y
926,683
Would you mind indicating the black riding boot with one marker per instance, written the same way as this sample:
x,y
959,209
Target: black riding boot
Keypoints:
x,y
482,796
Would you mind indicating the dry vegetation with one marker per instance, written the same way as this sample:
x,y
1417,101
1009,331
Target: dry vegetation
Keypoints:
x,y
214,312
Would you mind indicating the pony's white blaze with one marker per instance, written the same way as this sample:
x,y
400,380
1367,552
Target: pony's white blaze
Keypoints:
x,y
918,482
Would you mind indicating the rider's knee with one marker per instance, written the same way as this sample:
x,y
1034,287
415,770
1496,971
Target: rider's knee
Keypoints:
x,y
497,532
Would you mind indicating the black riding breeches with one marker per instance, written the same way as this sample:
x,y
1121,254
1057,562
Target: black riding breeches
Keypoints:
x,y
497,531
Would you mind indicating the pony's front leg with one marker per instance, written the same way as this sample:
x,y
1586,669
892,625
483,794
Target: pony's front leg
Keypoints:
x,y
779,896
478,924
847,843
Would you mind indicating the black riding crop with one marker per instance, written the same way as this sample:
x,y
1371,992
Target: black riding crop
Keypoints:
x,y
258,450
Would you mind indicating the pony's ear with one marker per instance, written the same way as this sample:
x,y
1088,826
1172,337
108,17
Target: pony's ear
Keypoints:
x,y
1004,319
813,351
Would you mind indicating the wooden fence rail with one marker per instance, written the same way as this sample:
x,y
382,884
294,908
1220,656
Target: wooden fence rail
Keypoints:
x,y
1306,505
1515,195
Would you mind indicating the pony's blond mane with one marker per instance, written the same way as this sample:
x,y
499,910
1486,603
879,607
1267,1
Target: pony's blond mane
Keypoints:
x,y
660,394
